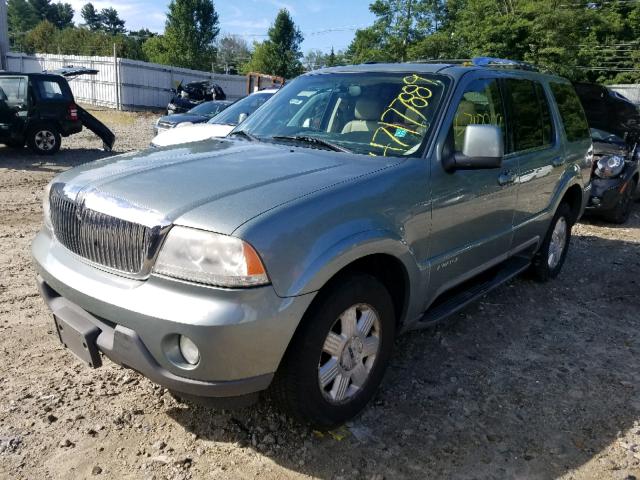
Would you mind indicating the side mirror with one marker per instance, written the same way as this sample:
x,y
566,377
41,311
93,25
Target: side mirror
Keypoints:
x,y
483,148
242,117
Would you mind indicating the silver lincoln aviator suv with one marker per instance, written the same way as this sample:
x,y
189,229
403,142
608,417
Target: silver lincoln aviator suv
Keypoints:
x,y
357,203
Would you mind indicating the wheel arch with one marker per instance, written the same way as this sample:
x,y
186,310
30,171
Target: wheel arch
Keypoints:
x,y
573,196
375,253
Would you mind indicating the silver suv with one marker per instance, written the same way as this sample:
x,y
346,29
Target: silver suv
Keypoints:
x,y
357,203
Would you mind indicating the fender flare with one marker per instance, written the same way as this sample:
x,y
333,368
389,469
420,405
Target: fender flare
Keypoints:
x,y
341,254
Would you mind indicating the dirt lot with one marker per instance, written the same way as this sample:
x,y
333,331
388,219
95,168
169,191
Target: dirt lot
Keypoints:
x,y
535,381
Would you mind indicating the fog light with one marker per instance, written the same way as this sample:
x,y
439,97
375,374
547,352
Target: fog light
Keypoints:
x,y
189,350
595,201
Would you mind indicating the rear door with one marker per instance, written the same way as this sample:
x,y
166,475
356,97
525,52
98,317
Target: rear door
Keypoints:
x,y
14,106
536,143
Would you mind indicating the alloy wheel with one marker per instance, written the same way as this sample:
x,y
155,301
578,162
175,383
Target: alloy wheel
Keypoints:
x,y
45,140
349,353
558,242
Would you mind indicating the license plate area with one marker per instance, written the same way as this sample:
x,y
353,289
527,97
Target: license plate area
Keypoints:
x,y
79,336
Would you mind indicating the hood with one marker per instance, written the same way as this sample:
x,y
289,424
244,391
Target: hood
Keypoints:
x,y
183,117
216,185
608,111
606,148
191,133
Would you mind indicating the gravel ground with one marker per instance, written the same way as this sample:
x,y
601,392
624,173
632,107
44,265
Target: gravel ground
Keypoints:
x,y
534,381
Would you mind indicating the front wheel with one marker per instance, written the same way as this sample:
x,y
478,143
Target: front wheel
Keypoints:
x,y
339,354
44,139
549,260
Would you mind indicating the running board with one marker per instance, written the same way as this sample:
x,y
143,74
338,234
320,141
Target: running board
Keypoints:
x,y
453,301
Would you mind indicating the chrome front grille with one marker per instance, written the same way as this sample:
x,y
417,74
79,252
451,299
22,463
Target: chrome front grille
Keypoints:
x,y
102,239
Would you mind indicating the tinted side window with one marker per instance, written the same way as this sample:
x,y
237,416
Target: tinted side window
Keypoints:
x,y
13,90
531,118
573,117
50,90
481,104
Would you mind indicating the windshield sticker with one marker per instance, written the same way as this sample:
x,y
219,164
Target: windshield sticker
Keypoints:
x,y
403,123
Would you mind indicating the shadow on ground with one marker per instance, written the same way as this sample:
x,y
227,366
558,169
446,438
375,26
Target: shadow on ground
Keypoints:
x,y
531,382
24,159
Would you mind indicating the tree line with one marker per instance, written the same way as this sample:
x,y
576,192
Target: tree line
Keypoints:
x,y
580,39
191,37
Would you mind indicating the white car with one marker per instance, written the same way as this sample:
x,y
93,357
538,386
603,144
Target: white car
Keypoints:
x,y
219,126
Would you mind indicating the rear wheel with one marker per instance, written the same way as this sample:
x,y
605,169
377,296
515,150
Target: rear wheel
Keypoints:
x,y
549,260
620,214
44,139
338,356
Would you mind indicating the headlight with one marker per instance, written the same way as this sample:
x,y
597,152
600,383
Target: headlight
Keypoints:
x,y
609,166
46,207
210,258
183,124
588,158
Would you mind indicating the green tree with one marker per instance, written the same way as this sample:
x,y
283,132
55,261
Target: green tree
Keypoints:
x,y
190,32
280,54
232,52
91,17
110,21
41,38
399,24
332,59
61,15
21,18
41,9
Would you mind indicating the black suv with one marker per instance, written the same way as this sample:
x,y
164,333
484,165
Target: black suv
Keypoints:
x,y
38,109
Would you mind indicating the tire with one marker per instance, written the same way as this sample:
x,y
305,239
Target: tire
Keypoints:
x,y
620,214
351,376
549,259
44,139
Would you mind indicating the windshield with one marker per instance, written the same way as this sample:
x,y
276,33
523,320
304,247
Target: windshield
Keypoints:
x,y
241,109
604,136
382,114
209,109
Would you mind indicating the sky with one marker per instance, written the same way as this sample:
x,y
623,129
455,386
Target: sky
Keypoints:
x,y
324,23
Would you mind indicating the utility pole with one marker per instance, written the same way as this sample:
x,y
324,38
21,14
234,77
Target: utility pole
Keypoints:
x,y
4,35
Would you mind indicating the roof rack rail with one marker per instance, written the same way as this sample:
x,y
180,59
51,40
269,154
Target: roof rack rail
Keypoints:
x,y
454,61
503,63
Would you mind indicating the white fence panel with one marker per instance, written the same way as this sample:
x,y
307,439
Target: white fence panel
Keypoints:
x,y
142,85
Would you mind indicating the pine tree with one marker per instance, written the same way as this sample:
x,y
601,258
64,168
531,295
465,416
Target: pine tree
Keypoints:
x,y
91,17
190,32
280,54
111,22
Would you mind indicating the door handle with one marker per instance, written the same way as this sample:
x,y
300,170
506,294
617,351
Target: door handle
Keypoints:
x,y
557,162
507,178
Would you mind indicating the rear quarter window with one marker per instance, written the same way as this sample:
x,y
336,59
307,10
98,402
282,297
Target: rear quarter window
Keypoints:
x,y
571,111
50,90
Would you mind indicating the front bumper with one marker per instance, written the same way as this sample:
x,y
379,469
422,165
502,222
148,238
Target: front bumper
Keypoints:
x,y
606,193
242,335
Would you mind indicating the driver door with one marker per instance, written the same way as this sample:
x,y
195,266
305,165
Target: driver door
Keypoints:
x,y
13,106
472,210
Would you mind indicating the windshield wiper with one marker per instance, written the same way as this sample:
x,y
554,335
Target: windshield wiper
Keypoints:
x,y
247,135
313,141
